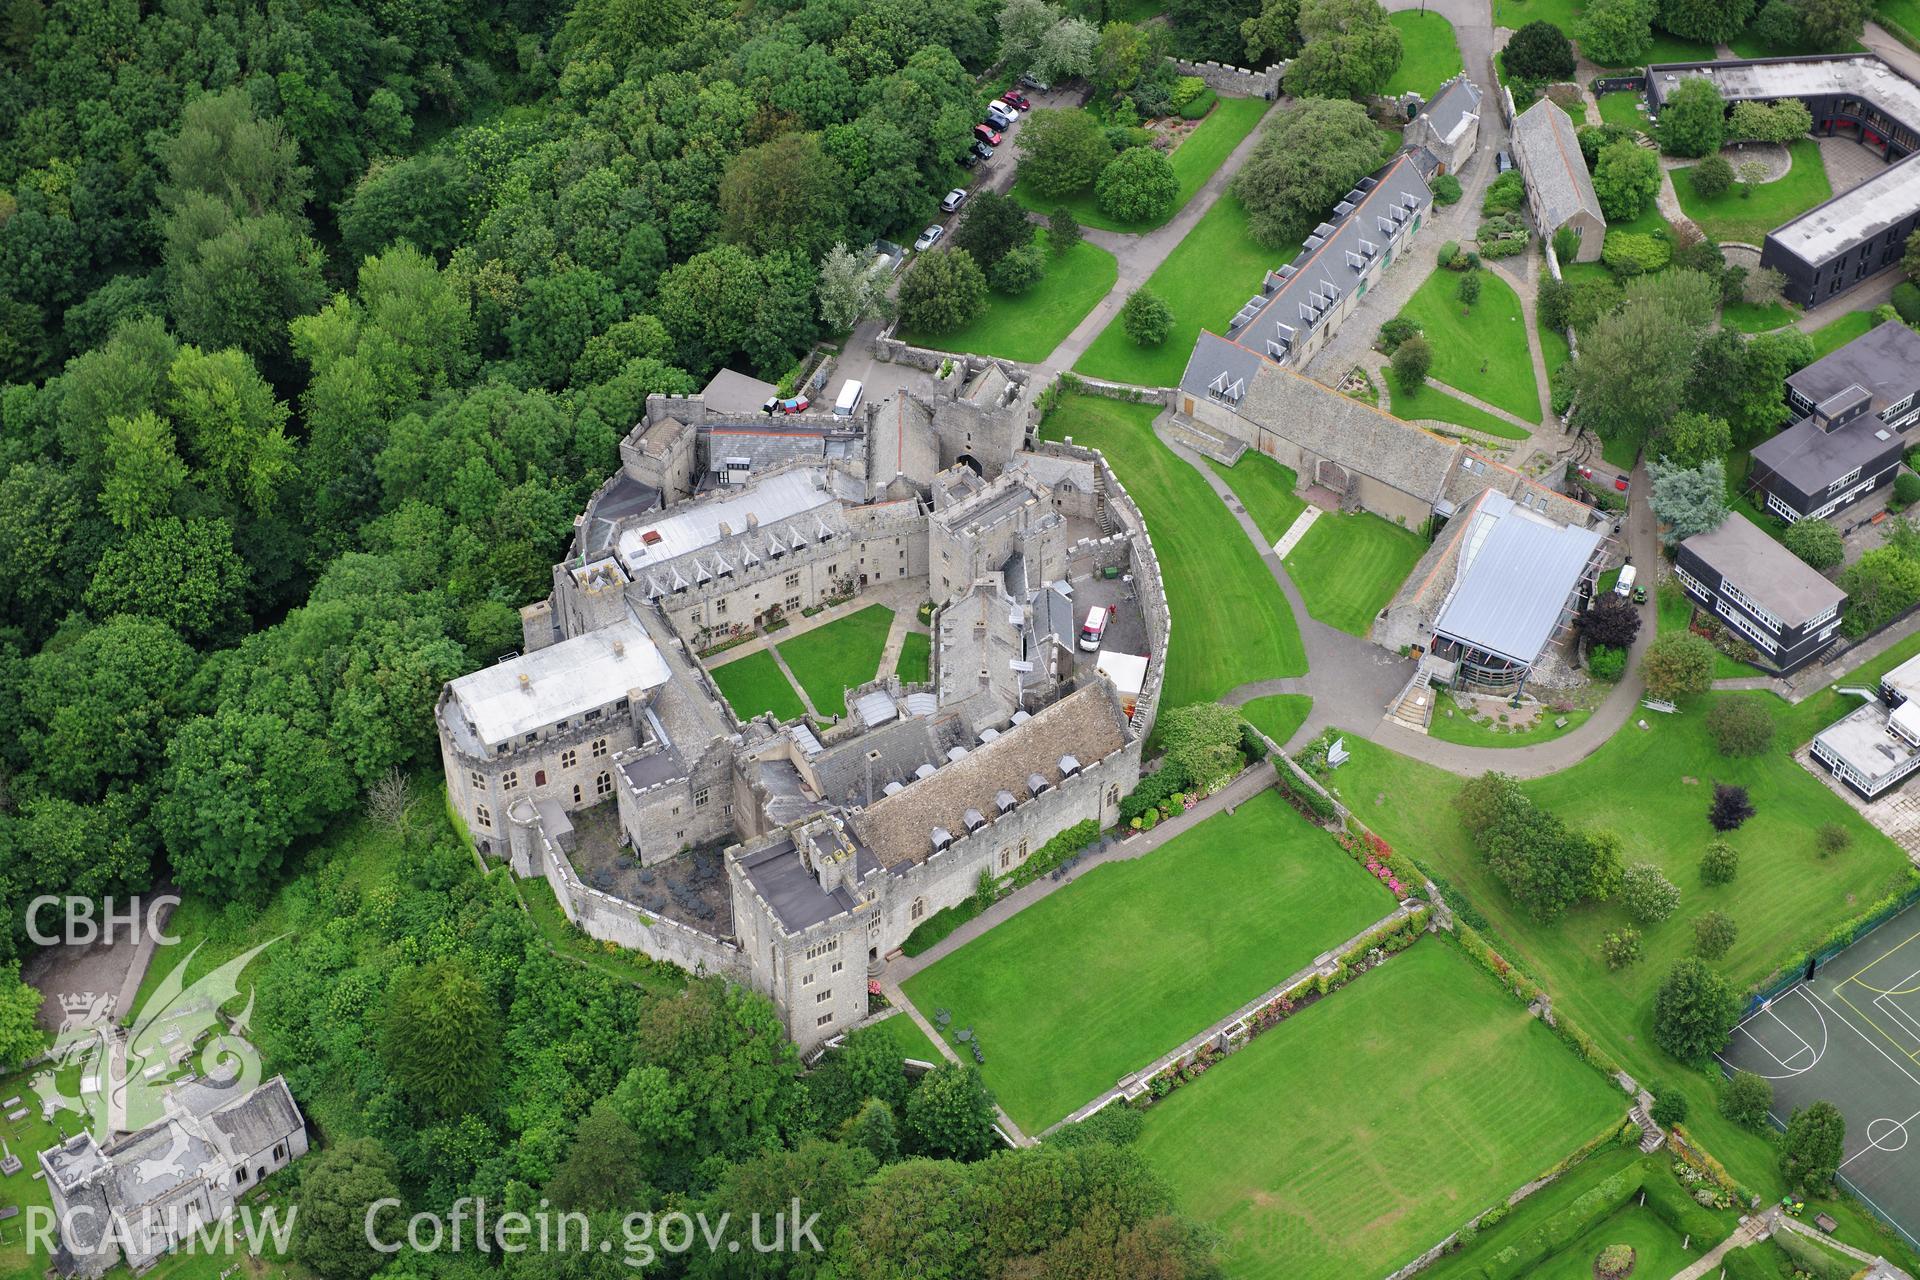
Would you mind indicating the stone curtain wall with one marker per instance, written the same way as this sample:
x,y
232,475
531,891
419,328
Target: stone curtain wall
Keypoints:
x,y
1235,82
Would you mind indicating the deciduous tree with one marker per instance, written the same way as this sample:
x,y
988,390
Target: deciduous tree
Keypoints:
x,y
1309,156
1061,151
1146,317
1708,21
1746,1099
950,1115
1348,49
338,1187
1678,665
1693,119
1617,33
1694,1011
1625,179
1714,933
1138,186
942,291
1816,1143
1740,726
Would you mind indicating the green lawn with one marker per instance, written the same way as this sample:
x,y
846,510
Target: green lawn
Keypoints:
x,y
907,1037
1731,217
27,1138
1265,489
1621,453
1205,280
1349,566
1231,625
1482,349
1279,716
1105,975
1030,325
916,658
756,683
1350,1138
1430,404
1747,45
1460,727
1749,317
1554,349
1431,57
829,660
1203,151
1623,109
1835,334
1904,14
1657,1248
1673,611
1652,787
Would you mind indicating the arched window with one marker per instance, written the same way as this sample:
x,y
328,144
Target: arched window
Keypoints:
x,y
919,909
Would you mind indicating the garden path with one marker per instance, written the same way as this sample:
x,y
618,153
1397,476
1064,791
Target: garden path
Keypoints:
x,y
1752,1231
779,660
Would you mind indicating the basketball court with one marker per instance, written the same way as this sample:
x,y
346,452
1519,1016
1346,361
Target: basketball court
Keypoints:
x,y
1850,1035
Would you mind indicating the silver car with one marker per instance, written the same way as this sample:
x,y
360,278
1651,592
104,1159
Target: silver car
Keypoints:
x,y
929,238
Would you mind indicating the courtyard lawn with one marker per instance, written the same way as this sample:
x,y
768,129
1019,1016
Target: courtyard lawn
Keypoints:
x,y
1204,149
906,1036
1620,452
1652,787
1729,216
830,660
1432,54
1460,727
1231,625
1349,566
1030,325
1350,1138
1564,14
1658,1249
1750,317
1108,973
1205,280
1904,14
1278,716
756,683
1835,334
1554,349
1265,489
1623,109
1431,404
916,658
1482,349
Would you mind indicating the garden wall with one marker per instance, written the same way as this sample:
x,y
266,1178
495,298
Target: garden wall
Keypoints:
x,y
1235,82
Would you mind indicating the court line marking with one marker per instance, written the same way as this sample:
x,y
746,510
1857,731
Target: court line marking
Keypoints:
x,y
1792,1072
1867,1018
1873,1145
1893,950
1815,998
1805,1047
1886,1004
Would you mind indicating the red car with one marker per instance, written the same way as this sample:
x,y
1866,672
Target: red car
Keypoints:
x,y
987,134
1018,101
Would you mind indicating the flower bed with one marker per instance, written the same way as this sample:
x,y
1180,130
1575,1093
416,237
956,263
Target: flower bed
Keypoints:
x,y
1391,869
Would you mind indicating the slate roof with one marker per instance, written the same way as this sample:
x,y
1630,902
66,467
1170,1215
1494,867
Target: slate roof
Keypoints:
x,y
1351,432
1547,150
1458,98
259,1120
731,392
1773,577
902,443
1087,724
1299,297
1517,570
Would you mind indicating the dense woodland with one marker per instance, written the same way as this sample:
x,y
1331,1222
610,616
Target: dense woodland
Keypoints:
x,y
318,324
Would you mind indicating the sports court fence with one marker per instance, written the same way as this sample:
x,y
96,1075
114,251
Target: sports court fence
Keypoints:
x,y
1874,1209
1794,972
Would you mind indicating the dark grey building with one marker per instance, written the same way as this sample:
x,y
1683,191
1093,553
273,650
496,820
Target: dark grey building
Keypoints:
x,y
1858,233
1770,597
1855,407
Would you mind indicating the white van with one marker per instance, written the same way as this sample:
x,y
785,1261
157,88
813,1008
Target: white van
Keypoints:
x,y
1624,587
1094,627
849,400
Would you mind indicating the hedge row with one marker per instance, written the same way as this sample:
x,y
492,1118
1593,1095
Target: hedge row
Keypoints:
x,y
1526,990
1673,1205
1820,1263
1562,1229
1052,854
1303,796
1846,932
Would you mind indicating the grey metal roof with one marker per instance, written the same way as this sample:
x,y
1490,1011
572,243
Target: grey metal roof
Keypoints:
x,y
1517,571
1885,360
1773,577
1547,150
1298,298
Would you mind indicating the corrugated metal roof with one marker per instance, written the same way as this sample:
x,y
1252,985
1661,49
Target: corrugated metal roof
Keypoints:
x,y
1516,574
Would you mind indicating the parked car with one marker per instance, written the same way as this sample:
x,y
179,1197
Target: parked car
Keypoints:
x,y
1000,115
929,237
981,151
1038,86
792,404
970,159
987,133
954,199
1502,162
1017,100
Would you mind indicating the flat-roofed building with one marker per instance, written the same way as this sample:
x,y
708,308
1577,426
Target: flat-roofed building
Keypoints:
x,y
1856,406
1771,598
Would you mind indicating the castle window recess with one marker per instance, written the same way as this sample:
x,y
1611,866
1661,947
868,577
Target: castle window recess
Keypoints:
x,y
479,778
823,1020
700,798
481,816
569,758
819,949
806,979
599,747
510,779
823,997
603,784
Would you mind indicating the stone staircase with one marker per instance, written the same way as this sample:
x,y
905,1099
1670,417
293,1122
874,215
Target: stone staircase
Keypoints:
x,y
1652,1136
1223,450
1412,708
1102,494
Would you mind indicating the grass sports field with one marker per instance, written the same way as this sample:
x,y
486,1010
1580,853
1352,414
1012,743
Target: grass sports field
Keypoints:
x,y
1203,151
1030,325
1205,280
1231,625
1482,349
1653,787
1103,976
1349,565
1730,216
831,659
756,683
1265,489
1431,54
1345,1141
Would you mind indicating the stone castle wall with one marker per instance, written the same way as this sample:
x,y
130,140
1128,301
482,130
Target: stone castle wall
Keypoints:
x,y
1235,82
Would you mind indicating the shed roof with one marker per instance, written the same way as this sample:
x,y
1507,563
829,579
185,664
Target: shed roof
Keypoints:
x,y
1517,571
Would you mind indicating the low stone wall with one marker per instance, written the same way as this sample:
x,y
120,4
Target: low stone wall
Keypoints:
x,y
892,350
610,919
1235,82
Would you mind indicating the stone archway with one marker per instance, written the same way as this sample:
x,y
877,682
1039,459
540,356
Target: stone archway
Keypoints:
x,y
968,460
1331,476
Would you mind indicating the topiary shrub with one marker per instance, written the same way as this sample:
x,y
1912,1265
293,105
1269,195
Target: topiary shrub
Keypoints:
x,y
1605,662
1906,301
1396,331
1446,189
1628,253
1719,864
1906,489
1614,1262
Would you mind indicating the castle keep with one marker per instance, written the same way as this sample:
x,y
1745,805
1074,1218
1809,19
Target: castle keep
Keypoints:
x,y
794,856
